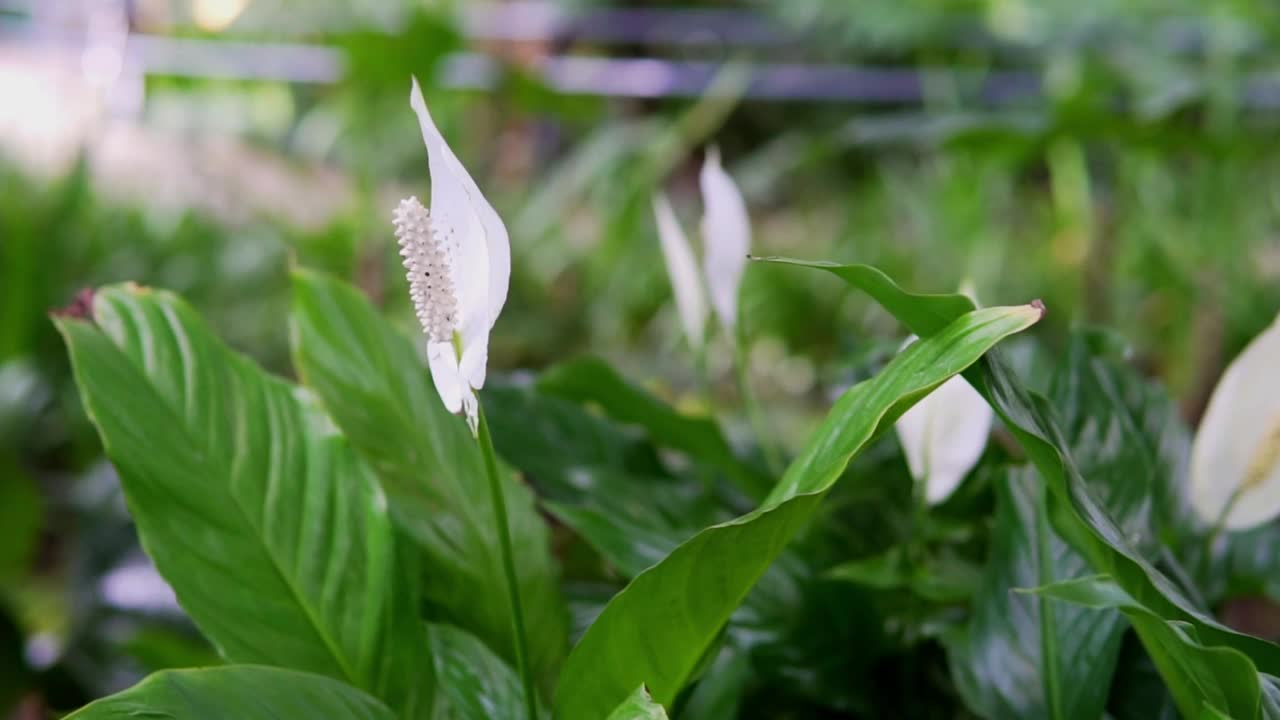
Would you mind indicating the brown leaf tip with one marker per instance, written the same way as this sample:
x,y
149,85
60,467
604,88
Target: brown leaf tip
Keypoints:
x,y
80,307
1039,305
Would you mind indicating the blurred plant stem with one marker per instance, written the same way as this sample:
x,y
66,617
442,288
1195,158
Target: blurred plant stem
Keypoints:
x,y
508,563
754,415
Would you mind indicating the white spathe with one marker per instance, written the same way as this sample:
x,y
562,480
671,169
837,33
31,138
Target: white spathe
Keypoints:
x,y
943,436
457,258
1235,458
683,270
726,238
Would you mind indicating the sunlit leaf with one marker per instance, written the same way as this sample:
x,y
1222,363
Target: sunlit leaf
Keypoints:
x,y
376,386
272,532
244,692
639,706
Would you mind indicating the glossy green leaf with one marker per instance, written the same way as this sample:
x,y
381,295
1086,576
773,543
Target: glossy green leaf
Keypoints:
x,y
242,692
378,389
638,706
1221,678
590,380
658,629
1065,655
1077,515
475,684
272,532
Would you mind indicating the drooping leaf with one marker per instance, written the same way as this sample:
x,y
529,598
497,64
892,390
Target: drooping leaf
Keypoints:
x,y
638,706
244,692
378,390
475,684
658,629
1077,515
1197,675
272,532
1023,656
590,380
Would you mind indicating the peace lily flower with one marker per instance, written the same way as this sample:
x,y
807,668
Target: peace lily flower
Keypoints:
x,y
683,269
944,434
1235,458
457,258
726,237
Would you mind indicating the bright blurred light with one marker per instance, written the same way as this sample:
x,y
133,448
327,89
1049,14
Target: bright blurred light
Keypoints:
x,y
215,15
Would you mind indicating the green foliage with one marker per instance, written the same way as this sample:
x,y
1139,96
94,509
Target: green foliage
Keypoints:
x,y
379,392
271,530
240,691
334,541
680,604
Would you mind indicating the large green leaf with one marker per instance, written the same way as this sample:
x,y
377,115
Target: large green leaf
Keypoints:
x,y
272,532
1197,675
590,380
658,629
377,388
475,684
1105,418
1075,512
1023,656
638,706
236,692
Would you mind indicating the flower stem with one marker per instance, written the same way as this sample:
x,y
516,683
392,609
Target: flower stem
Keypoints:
x,y
508,563
754,415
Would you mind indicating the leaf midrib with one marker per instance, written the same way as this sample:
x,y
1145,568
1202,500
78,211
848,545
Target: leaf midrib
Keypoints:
x,y
237,366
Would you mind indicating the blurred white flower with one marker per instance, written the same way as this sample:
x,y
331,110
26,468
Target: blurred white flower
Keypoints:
x,y
458,261
943,435
726,238
1235,459
683,270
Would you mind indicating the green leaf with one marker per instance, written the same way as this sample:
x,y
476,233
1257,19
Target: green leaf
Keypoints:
x,y
657,630
271,531
590,380
243,692
638,706
1220,678
1065,655
1077,515
475,684
377,388
605,486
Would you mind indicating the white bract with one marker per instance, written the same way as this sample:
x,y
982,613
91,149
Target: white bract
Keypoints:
x,y
726,237
1235,459
943,436
683,270
458,261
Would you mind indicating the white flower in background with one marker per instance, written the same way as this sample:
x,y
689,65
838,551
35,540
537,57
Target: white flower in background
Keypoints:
x,y
683,269
943,436
726,238
458,261
1235,459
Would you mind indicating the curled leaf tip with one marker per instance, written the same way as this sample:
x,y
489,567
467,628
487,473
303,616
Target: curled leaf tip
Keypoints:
x,y
1039,305
80,307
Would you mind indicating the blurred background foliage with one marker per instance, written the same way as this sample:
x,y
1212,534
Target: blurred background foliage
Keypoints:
x,y
1115,158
